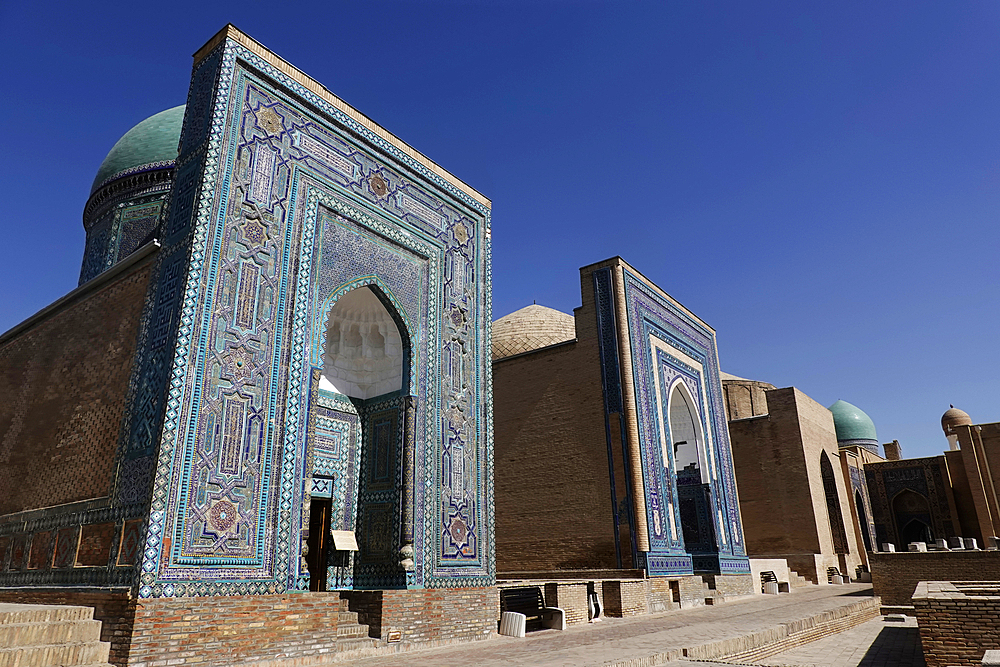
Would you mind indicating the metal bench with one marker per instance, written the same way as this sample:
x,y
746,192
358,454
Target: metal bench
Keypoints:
x,y
768,577
832,572
527,601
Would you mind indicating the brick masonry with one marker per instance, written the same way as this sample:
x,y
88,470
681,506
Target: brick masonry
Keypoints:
x,y
64,381
958,621
783,503
896,575
552,486
426,616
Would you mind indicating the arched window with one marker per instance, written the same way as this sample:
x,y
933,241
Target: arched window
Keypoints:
x,y
364,351
833,505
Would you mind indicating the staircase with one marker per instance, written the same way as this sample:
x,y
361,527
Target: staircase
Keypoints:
x,y
352,637
797,580
50,636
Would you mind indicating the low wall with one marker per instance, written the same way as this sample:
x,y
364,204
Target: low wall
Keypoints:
x,y
777,565
733,585
426,617
958,621
896,575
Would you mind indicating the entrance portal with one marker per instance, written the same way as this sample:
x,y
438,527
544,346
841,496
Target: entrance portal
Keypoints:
x,y
694,493
359,417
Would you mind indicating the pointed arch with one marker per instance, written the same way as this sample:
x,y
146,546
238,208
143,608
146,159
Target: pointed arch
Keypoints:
x,y
378,329
686,434
838,533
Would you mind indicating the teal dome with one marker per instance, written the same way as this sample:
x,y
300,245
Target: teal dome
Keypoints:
x,y
853,426
152,144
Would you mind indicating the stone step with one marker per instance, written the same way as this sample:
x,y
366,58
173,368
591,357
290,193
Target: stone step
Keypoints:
x,y
52,632
351,630
797,580
358,647
83,653
41,613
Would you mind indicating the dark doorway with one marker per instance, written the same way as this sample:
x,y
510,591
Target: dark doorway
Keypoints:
x,y
863,520
319,542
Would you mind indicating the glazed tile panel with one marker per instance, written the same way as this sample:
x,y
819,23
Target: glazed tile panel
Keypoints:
x,y
669,346
285,210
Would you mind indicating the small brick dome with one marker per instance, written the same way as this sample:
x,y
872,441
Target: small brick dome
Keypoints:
x,y
531,328
954,417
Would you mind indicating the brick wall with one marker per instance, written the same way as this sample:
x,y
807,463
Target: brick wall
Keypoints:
x,y
571,597
231,630
958,623
626,597
552,487
732,585
896,575
782,497
63,382
427,616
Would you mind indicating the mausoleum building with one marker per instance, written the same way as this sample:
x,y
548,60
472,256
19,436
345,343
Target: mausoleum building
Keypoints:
x,y
274,378
612,449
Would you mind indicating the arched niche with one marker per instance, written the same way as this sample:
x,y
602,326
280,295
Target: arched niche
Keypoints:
x,y
686,436
912,513
859,502
838,533
365,353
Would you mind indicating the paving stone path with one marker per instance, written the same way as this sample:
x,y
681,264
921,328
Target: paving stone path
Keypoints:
x,y
876,643
646,640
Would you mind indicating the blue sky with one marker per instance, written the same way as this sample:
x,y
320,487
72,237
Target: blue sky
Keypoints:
x,y
820,184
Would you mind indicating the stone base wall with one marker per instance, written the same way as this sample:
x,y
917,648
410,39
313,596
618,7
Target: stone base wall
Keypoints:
x,y
626,598
732,585
233,630
571,597
896,575
428,616
114,609
958,622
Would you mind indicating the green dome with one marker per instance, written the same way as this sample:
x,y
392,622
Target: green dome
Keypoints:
x,y
151,144
852,424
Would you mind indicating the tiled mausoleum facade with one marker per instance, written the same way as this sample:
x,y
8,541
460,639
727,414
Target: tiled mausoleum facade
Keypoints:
x,y
281,331
612,447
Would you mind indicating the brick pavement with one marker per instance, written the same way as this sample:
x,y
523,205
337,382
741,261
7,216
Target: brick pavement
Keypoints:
x,y
636,641
876,643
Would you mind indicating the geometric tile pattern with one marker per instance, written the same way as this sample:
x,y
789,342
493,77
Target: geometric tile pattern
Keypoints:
x,y
667,347
269,177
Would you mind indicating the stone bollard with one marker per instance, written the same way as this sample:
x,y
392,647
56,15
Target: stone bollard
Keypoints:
x,y
970,543
889,546
942,545
770,588
993,542
991,659
956,543
837,579
917,546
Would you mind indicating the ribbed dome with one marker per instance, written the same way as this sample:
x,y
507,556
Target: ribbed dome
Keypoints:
x,y
853,426
954,417
530,328
152,144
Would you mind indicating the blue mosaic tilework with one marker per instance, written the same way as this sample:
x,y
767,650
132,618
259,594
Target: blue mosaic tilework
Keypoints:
x,y
611,384
652,315
233,436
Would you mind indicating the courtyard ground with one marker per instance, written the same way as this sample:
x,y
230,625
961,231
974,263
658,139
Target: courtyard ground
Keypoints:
x,y
644,641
